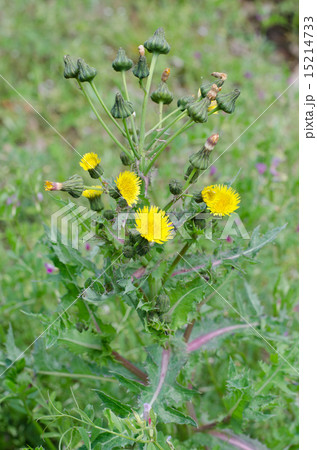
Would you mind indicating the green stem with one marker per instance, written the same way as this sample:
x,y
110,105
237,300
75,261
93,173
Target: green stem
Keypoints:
x,y
125,87
163,120
129,138
38,426
92,84
165,144
102,122
183,114
145,101
177,258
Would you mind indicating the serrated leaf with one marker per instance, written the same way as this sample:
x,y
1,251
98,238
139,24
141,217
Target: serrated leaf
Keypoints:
x,y
170,414
116,406
79,341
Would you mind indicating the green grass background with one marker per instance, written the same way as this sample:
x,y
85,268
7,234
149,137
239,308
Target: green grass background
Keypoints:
x,y
205,36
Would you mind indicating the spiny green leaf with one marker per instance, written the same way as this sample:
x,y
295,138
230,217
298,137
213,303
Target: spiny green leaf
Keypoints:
x,y
116,406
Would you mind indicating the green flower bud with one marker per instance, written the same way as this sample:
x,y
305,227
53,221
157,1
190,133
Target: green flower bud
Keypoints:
x,y
94,196
162,94
108,214
141,70
121,108
96,172
197,197
113,191
175,187
163,303
200,160
122,63
227,102
198,111
200,224
85,72
184,102
74,186
189,171
126,161
207,85
128,251
142,247
71,68
122,202
157,43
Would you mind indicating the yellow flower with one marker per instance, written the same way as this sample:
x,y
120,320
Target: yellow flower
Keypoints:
x,y
153,224
221,199
212,106
89,161
52,186
128,184
92,193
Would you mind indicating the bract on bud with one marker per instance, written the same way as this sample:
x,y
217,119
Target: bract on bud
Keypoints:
x,y
122,63
198,111
184,102
157,43
94,196
162,94
113,191
74,186
121,108
85,72
108,214
175,187
163,303
125,159
200,160
227,102
71,67
197,197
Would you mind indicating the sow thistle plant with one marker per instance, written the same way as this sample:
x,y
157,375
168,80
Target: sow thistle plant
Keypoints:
x,y
136,274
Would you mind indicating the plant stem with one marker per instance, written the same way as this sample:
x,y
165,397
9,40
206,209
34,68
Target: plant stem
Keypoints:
x,y
160,123
165,144
131,367
102,122
183,114
125,87
145,102
175,262
38,426
129,138
92,84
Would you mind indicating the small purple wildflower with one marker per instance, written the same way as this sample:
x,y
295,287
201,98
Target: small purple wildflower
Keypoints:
x,y
275,163
213,170
229,239
12,199
248,75
197,55
146,411
87,246
49,268
39,196
261,167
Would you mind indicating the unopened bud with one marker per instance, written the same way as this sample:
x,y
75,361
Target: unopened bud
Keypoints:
x,y
226,102
141,70
146,411
121,108
157,43
212,94
175,187
198,111
85,72
71,68
122,62
165,74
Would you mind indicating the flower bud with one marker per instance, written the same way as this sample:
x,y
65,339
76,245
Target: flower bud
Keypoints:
x,y
142,246
141,70
113,191
91,162
71,68
157,43
94,197
74,186
122,63
198,111
226,102
121,108
197,197
200,160
189,171
162,94
184,102
175,187
122,202
200,224
128,251
125,159
108,214
163,303
85,72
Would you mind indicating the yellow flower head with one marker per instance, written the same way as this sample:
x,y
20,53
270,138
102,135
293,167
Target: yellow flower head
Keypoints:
x,y
52,186
128,184
213,105
153,224
96,191
221,199
89,161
